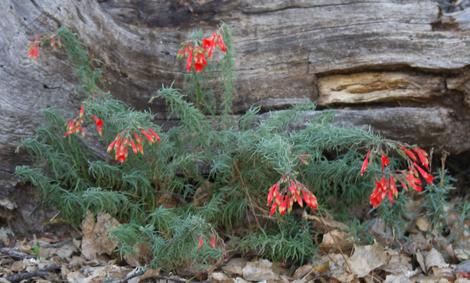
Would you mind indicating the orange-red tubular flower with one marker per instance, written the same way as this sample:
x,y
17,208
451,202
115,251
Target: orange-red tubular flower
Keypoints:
x,y
427,177
365,163
385,161
423,157
33,50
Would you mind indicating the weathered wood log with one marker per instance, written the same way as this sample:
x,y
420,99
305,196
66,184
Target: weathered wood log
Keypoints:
x,y
411,57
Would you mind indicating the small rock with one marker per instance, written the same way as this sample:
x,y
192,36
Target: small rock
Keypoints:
x,y
463,267
5,236
7,204
259,270
66,251
103,273
391,278
234,266
18,266
240,280
219,277
150,273
76,261
423,224
75,277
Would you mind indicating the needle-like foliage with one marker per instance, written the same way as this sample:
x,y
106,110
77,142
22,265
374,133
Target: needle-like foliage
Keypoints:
x,y
207,179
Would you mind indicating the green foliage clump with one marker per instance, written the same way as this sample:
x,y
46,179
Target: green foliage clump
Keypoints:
x,y
207,176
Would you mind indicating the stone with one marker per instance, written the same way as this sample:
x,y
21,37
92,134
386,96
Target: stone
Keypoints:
x,y
259,270
234,266
219,277
423,224
6,235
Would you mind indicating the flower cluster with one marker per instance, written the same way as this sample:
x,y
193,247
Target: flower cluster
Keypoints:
x,y
33,49
124,140
196,54
418,167
212,241
285,192
33,46
76,125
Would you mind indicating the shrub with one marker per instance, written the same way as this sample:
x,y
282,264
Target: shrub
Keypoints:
x,y
198,191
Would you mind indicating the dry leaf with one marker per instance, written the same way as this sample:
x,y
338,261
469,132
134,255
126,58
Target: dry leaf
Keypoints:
x,y
339,269
420,260
398,264
434,258
335,240
96,240
367,258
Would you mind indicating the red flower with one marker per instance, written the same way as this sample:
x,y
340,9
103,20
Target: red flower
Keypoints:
x,y
213,241
186,51
33,49
409,153
99,124
423,157
200,243
55,43
309,199
189,62
200,61
82,111
111,145
403,185
149,137
155,135
385,161
211,42
220,43
284,201
413,180
427,177
273,209
138,140
294,190
392,189
365,163
273,192
209,45
283,206
379,193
